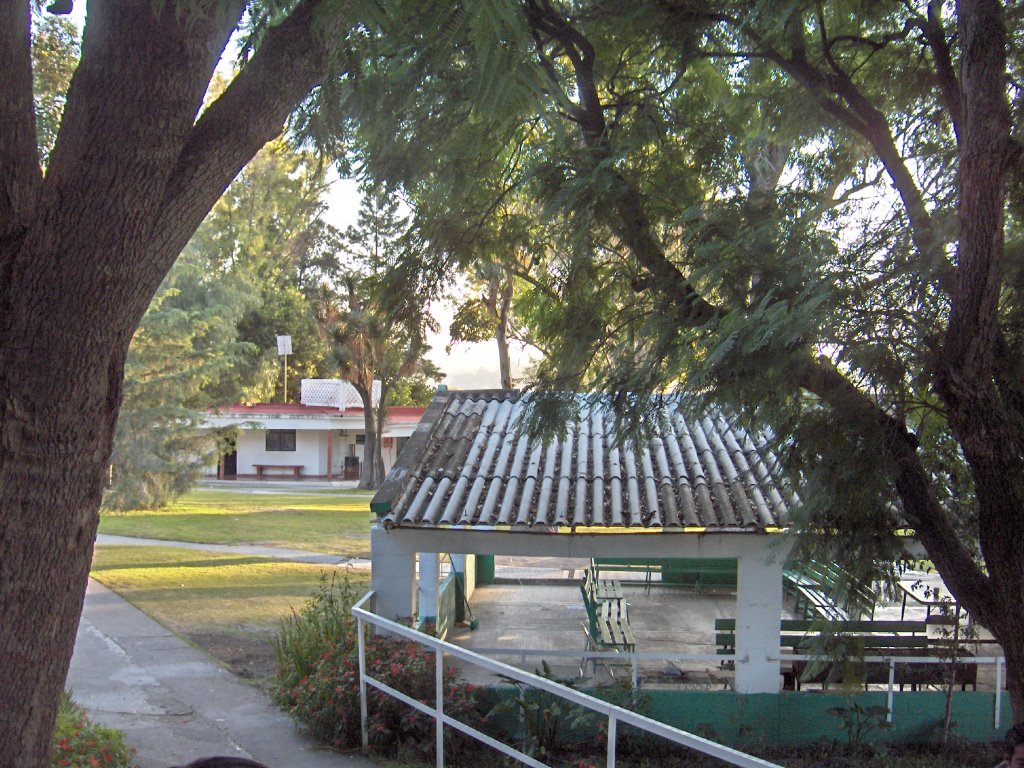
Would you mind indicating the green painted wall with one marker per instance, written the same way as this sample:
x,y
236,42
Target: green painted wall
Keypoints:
x,y
801,717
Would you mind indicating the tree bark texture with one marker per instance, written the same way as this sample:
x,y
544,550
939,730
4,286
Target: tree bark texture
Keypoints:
x,y
501,333
368,474
82,250
380,416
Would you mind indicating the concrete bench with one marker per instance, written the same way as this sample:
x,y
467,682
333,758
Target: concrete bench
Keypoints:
x,y
296,469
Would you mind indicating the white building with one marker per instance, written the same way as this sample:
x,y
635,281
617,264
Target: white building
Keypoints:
x,y
320,437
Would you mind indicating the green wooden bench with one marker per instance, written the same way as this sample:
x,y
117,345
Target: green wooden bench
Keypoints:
x,y
802,634
607,626
697,572
601,589
825,590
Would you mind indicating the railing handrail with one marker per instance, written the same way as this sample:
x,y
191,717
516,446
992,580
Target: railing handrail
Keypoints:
x,y
649,656
614,713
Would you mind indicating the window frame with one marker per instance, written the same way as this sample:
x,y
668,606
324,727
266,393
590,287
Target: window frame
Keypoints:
x,y
276,441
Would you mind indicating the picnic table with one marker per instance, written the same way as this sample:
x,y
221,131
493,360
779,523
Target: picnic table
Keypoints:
x,y
929,591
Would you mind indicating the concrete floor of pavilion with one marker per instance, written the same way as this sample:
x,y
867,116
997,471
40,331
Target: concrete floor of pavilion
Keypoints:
x,y
535,604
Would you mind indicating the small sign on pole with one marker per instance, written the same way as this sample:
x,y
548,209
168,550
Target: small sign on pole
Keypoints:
x,y
284,347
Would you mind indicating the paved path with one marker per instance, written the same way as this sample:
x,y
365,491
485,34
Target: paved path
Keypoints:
x,y
291,555
172,701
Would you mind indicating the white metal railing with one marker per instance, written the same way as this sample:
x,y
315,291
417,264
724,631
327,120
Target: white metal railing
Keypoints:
x,y
635,658
614,714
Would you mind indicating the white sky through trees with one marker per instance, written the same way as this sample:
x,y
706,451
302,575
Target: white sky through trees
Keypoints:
x,y
470,365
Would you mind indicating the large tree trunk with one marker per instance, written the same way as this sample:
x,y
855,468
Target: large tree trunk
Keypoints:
x,y
368,475
380,416
501,335
82,252
56,438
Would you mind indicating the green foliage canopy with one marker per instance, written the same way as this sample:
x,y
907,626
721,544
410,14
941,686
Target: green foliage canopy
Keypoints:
x,y
804,212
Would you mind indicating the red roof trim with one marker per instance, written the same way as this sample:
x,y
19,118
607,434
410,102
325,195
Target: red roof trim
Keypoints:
x,y
395,413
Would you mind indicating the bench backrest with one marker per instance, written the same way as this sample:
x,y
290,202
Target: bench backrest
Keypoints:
x,y
590,604
801,633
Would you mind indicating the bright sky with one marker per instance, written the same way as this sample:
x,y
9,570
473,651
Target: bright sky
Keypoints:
x,y
470,365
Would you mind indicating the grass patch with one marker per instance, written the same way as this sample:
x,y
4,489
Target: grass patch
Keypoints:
x,y
330,521
228,605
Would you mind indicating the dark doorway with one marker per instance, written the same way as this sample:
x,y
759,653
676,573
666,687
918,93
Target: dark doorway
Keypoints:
x,y
351,468
230,465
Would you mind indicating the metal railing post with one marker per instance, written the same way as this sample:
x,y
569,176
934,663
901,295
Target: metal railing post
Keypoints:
x,y
999,692
364,724
613,729
892,682
439,715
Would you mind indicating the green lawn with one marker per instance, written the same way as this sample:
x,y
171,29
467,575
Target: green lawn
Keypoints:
x,y
330,521
226,604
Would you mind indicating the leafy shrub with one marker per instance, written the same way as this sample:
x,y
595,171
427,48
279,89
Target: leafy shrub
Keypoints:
x,y
303,637
322,690
549,725
80,743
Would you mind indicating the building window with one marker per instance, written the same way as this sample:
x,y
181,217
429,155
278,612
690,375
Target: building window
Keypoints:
x,y
280,439
360,439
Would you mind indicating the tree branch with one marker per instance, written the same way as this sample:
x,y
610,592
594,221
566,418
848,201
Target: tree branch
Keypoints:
x,y
20,175
291,61
544,18
949,88
630,222
932,524
856,112
130,107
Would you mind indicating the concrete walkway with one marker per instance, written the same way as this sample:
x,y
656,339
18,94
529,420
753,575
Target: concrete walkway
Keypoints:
x,y
172,701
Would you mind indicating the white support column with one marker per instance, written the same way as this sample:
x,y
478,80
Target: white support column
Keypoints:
x,y
758,612
466,565
393,574
428,586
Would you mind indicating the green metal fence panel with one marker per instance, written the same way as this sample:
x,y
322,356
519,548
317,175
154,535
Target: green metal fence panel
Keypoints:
x,y
447,605
742,721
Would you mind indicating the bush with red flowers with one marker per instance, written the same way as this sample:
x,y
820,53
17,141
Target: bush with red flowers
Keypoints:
x,y
322,692
80,743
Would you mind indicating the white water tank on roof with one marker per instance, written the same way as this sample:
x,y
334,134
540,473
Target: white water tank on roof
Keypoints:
x,y
335,393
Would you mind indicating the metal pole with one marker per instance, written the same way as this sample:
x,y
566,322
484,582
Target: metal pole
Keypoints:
x,y
284,375
892,682
999,691
439,722
612,738
364,717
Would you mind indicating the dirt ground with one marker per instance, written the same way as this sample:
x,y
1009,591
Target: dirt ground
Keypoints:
x,y
250,656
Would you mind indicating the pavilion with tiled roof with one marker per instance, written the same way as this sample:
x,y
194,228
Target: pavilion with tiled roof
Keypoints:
x,y
472,481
